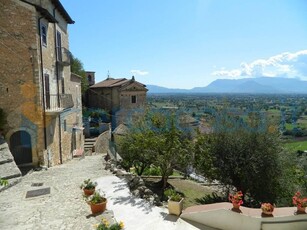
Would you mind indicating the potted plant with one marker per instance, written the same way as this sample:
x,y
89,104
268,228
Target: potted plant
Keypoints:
x,y
175,202
236,199
267,208
88,187
97,202
105,225
300,202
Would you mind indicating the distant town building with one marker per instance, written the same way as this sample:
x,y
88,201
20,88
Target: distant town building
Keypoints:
x,y
118,97
38,93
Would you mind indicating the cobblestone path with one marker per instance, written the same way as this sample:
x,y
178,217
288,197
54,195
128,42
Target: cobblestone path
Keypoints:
x,y
63,208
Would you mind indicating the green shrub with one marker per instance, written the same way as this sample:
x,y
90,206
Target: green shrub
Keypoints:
x,y
173,195
212,198
152,171
3,182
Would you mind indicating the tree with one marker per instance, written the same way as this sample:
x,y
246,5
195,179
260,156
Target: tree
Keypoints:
x,y
77,68
244,154
136,150
171,151
155,140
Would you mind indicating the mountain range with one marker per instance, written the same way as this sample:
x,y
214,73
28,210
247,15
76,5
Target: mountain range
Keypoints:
x,y
261,85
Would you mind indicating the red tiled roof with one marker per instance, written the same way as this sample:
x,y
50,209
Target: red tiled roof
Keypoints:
x,y
110,83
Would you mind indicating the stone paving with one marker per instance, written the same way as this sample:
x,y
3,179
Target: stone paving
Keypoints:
x,y
63,208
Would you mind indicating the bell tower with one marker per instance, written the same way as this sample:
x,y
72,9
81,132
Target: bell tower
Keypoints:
x,y
90,76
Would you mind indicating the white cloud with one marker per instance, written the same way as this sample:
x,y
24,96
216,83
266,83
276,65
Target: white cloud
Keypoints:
x,y
139,72
281,65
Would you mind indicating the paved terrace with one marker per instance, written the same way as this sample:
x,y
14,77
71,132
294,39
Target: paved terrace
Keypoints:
x,y
64,207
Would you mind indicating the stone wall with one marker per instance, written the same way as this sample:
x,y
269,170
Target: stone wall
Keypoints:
x,y
21,77
8,168
135,183
102,142
19,71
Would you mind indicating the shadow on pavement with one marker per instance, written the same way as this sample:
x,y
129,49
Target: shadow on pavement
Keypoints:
x,y
141,204
168,217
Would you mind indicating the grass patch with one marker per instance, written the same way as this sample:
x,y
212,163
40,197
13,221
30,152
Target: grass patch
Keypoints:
x,y
193,192
296,145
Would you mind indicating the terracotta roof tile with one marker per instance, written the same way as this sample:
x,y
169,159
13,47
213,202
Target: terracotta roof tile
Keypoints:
x,y
109,83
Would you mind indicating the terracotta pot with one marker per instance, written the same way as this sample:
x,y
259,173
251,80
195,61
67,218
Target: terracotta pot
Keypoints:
x,y
98,208
88,192
301,209
235,205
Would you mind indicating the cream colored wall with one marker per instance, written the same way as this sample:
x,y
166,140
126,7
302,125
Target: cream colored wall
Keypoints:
x,y
115,98
229,220
125,99
73,118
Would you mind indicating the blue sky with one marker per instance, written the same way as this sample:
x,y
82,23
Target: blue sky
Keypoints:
x,y
189,43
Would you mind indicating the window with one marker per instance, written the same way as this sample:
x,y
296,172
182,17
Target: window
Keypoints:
x,y
59,45
44,34
63,85
65,125
133,99
89,78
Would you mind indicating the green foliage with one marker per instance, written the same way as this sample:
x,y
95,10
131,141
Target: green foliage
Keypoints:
x,y
88,184
105,225
136,150
3,182
211,198
173,195
96,198
247,155
2,118
171,149
152,171
155,140
296,145
77,68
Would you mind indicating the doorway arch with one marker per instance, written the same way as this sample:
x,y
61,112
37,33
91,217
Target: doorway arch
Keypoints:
x,y
21,147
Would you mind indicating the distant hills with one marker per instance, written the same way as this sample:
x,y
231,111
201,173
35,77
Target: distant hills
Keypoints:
x,y
261,85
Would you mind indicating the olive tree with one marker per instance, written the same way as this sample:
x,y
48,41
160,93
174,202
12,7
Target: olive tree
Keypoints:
x,y
244,154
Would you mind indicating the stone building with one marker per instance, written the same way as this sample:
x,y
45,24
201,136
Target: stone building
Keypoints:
x,y
40,97
120,97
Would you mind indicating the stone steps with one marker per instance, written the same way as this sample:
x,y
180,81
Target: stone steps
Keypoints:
x,y
8,168
89,144
11,182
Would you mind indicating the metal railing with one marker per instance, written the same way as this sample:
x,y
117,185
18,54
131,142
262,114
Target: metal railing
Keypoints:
x,y
56,102
63,56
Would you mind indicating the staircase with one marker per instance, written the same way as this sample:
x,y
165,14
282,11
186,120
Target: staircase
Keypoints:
x,y
89,144
8,168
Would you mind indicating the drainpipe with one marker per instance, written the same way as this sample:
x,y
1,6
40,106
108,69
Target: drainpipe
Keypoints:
x,y
43,86
58,87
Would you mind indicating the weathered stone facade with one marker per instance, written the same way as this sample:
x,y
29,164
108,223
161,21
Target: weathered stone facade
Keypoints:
x,y
36,88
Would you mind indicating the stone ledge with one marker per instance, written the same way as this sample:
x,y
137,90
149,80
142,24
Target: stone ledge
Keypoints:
x,y
221,216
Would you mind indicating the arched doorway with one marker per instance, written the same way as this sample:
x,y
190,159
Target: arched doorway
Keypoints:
x,y
21,148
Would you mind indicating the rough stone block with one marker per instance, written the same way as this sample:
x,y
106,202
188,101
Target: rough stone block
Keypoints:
x,y
5,154
9,170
